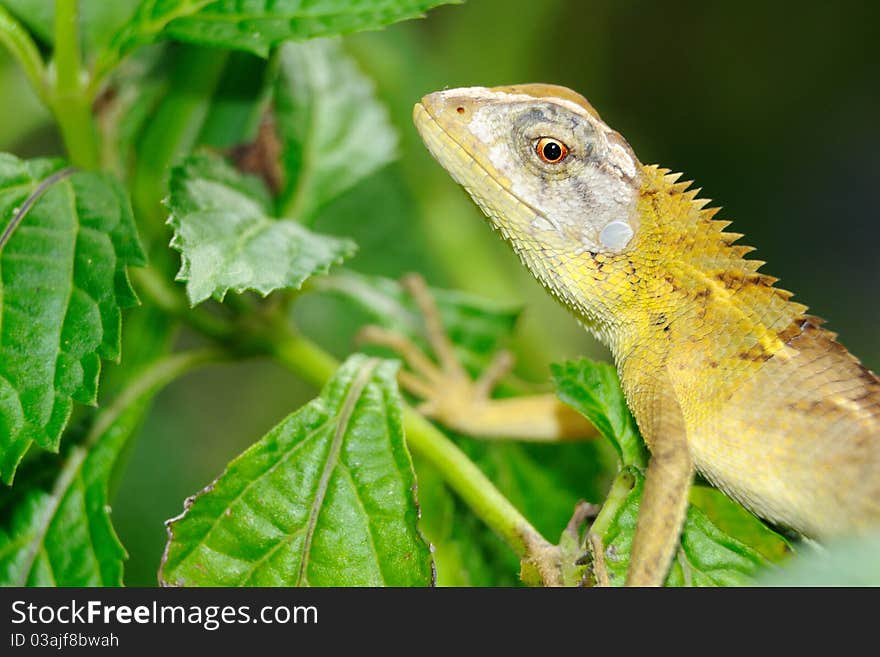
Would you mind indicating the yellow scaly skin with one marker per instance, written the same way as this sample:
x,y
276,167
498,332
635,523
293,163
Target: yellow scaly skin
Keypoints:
x,y
723,372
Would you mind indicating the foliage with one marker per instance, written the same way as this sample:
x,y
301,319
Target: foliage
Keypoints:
x,y
225,139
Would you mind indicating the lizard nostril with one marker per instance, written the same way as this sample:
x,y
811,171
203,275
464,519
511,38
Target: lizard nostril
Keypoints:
x,y
460,110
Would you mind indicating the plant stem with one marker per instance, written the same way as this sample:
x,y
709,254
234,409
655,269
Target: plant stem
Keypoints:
x,y
71,103
469,482
24,50
169,299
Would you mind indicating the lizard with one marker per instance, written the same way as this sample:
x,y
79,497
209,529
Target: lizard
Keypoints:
x,y
725,375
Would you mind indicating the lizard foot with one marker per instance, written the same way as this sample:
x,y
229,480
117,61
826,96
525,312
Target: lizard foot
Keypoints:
x,y
448,393
578,562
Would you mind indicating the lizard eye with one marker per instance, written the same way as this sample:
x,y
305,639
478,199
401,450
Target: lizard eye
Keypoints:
x,y
551,151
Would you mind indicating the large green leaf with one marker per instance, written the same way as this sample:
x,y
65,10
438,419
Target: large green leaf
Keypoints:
x,y
56,528
68,240
333,131
326,498
709,555
228,240
477,326
256,25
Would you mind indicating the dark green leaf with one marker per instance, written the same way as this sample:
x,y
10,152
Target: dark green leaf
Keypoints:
x,y
333,131
56,528
736,521
256,25
593,389
63,281
228,240
543,481
261,24
326,498
476,325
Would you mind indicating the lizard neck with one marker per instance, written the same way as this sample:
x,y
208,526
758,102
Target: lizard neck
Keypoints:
x,y
683,282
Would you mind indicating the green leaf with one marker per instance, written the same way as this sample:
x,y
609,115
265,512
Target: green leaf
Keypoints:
x,y
722,544
256,25
593,389
228,240
63,281
326,498
476,326
334,132
56,528
734,520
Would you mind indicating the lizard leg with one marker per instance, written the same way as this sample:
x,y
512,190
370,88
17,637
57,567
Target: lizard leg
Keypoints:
x,y
451,397
664,502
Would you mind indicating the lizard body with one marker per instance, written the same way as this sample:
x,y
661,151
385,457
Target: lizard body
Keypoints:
x,y
724,373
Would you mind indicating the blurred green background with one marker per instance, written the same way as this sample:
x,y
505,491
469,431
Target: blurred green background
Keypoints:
x,y
771,107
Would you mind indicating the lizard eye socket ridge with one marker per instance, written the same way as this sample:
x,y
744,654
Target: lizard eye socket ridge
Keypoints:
x,y
551,151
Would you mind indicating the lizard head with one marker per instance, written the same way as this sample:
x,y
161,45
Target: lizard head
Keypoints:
x,y
548,172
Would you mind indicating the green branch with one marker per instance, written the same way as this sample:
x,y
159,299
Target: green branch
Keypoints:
x,y
169,299
70,101
20,45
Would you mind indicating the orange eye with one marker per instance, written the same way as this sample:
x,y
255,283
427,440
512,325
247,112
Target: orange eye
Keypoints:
x,y
551,151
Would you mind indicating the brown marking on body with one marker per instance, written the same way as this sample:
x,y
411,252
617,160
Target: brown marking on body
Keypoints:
x,y
735,279
669,278
539,90
757,353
